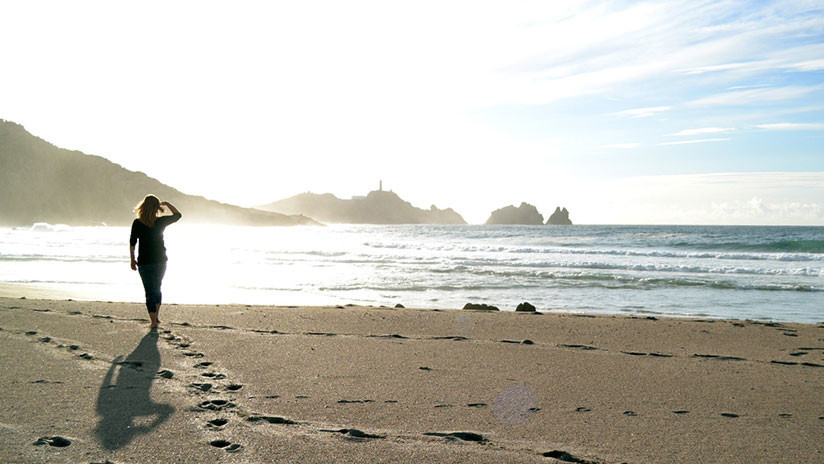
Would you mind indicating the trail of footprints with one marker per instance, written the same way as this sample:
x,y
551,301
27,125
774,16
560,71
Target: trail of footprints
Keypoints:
x,y
228,407
210,385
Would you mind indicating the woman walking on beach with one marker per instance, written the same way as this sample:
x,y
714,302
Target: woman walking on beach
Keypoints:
x,y
147,229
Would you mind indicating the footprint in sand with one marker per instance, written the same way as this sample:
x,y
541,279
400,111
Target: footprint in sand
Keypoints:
x,y
202,365
355,434
271,420
580,347
565,457
131,364
784,363
233,387
634,353
56,441
216,424
204,387
216,405
226,445
718,357
465,436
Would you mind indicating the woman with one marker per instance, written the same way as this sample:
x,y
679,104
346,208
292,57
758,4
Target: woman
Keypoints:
x,y
151,259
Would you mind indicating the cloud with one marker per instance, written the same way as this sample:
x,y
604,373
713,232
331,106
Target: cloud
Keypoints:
x,y
719,198
792,126
685,142
756,209
755,96
703,130
642,112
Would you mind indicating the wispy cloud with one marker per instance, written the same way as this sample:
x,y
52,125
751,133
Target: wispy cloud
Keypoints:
x,y
642,112
685,142
622,145
701,131
746,97
792,126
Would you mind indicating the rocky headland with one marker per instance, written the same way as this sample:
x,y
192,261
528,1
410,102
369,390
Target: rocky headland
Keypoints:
x,y
378,207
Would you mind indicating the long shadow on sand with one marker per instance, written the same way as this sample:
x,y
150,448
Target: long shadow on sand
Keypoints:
x,y
126,408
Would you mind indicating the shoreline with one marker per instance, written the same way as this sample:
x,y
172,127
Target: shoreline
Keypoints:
x,y
371,384
27,291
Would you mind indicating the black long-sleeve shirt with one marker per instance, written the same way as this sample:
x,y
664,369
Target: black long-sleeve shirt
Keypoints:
x,y
151,250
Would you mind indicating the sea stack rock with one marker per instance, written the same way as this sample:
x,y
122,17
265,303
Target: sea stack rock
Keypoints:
x,y
525,214
560,217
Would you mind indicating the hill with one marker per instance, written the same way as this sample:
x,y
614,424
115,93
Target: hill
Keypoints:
x,y
378,207
40,182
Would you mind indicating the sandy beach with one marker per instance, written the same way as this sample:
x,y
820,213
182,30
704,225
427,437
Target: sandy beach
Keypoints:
x,y
368,384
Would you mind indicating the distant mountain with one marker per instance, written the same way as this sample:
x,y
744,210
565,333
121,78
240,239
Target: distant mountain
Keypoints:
x,y
525,214
40,182
560,217
378,207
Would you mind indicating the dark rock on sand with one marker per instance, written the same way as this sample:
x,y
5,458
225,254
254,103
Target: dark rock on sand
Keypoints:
x,y
525,307
481,306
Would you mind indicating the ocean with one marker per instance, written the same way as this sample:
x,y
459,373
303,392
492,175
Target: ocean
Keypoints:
x,y
765,273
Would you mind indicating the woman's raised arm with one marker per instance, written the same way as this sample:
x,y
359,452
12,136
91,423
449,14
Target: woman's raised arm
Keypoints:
x,y
171,207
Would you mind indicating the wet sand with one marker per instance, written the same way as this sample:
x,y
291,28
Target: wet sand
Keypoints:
x,y
88,382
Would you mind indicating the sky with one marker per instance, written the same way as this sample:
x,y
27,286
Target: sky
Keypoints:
x,y
664,112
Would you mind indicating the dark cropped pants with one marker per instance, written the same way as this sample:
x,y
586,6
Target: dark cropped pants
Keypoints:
x,y
152,276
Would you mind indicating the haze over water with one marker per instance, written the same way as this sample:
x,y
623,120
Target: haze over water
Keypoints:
x,y
706,271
